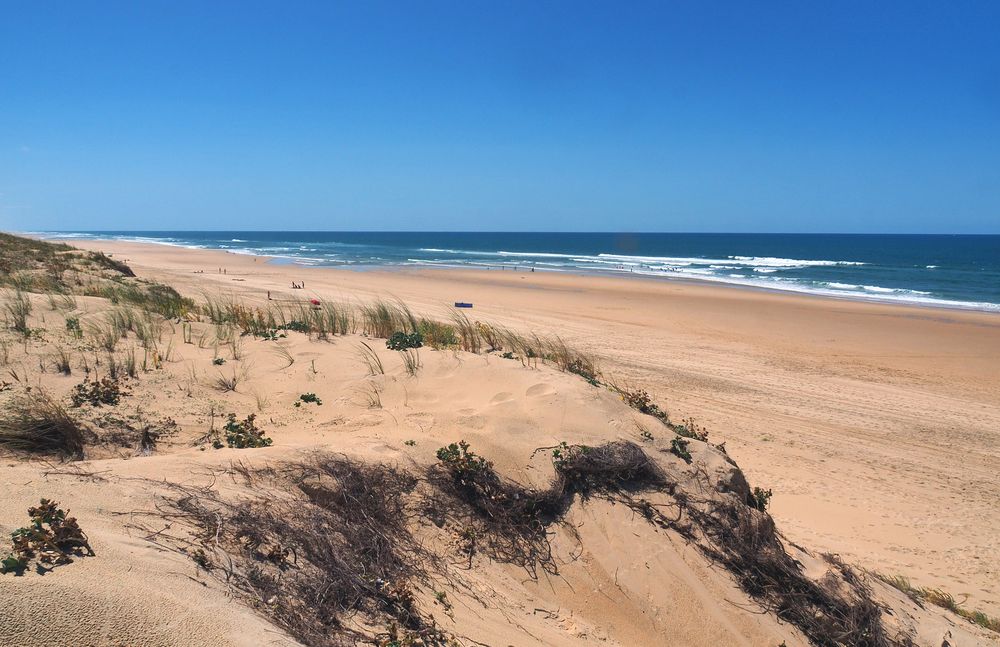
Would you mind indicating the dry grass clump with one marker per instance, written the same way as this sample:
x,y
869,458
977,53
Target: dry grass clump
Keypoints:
x,y
469,335
478,337
35,423
332,319
940,598
333,545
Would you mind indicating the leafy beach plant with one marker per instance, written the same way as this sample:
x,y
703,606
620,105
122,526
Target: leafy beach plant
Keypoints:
x,y
403,341
51,538
307,398
244,434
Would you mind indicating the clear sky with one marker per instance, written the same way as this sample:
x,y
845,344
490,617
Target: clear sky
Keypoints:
x,y
466,115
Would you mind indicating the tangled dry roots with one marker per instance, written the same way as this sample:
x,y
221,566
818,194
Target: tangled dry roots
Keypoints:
x,y
337,545
511,525
330,538
834,612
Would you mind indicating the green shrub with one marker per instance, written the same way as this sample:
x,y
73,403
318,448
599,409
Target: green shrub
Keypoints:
x,y
245,434
760,498
438,335
295,326
404,341
689,429
679,447
461,462
308,397
105,391
639,400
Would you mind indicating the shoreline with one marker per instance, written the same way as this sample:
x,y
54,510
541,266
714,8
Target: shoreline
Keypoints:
x,y
793,289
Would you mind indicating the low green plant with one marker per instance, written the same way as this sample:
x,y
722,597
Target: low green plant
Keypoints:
x,y
639,400
438,335
295,326
584,370
403,341
244,434
679,448
99,392
307,398
461,461
51,538
73,326
690,429
760,499
219,361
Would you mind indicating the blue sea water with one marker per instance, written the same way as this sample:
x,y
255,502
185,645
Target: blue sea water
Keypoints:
x,y
942,270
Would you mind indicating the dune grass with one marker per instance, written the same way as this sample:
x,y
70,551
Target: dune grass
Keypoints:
x,y
230,382
371,359
941,599
36,423
17,306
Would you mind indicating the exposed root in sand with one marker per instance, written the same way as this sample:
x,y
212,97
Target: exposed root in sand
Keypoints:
x,y
328,548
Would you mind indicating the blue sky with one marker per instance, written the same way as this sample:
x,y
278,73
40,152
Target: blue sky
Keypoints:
x,y
701,116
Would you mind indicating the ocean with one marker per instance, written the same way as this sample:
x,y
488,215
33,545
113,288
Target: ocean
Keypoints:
x,y
958,271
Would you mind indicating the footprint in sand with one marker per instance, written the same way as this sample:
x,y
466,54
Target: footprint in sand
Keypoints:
x,y
422,421
539,390
500,398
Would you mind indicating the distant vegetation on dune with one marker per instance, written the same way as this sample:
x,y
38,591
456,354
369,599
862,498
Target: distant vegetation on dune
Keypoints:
x,y
28,265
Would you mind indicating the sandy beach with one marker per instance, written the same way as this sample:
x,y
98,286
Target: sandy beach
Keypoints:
x,y
876,426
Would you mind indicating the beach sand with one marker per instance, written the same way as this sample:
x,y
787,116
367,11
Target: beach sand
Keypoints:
x,y
877,427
